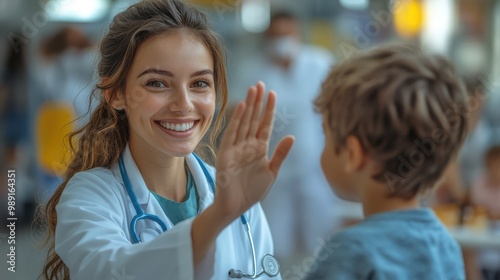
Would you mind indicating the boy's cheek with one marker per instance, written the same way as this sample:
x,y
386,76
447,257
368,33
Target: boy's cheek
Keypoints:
x,y
322,161
326,168
345,193
495,179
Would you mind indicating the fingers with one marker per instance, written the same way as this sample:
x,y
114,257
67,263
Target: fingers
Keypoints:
x,y
266,125
247,116
280,153
259,100
249,125
231,131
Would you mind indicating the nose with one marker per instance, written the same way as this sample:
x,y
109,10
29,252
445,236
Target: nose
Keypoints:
x,y
181,101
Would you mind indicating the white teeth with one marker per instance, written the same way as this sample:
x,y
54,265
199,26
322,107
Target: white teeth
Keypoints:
x,y
177,126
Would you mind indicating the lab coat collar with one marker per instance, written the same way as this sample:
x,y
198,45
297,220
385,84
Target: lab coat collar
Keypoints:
x,y
144,194
205,191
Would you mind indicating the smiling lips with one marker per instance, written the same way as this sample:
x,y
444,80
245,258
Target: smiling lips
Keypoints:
x,y
179,127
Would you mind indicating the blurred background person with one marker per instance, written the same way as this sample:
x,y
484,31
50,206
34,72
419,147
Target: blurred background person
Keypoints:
x,y
471,157
62,100
15,131
485,193
14,104
486,188
68,57
300,196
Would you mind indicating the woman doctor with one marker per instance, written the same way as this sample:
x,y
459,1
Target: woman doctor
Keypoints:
x,y
162,80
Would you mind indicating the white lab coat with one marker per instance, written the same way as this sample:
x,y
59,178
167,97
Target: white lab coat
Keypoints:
x,y
93,239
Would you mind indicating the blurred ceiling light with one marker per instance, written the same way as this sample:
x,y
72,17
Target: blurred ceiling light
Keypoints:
x,y
355,4
76,10
438,25
255,15
408,17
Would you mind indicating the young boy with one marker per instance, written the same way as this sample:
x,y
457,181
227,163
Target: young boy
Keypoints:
x,y
393,118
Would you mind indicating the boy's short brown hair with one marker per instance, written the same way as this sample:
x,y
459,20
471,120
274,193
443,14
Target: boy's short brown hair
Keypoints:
x,y
406,108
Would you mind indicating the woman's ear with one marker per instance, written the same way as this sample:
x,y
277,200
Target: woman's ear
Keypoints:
x,y
115,99
356,156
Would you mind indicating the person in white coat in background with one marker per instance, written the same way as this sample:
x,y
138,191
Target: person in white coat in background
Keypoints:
x,y
136,201
300,196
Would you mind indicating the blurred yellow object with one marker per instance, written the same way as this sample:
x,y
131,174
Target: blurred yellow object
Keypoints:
x,y
322,34
448,214
475,218
408,17
53,124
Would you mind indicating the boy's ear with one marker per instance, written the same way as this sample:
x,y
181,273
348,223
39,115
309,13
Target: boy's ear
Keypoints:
x,y
356,156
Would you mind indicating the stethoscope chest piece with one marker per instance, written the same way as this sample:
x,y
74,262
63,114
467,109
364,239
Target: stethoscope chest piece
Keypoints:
x,y
270,265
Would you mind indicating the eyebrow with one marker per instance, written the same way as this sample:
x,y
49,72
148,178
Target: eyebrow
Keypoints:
x,y
170,74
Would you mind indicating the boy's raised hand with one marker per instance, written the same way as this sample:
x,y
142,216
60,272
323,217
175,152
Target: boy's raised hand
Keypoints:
x,y
244,171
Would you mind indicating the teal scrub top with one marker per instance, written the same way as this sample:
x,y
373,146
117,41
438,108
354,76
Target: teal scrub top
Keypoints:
x,y
180,211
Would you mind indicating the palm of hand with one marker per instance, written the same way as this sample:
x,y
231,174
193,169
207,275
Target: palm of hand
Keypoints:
x,y
244,172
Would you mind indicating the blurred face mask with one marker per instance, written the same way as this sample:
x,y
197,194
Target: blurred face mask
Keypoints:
x,y
78,64
283,47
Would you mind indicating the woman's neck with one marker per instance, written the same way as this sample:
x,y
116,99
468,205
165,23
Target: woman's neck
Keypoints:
x,y
164,175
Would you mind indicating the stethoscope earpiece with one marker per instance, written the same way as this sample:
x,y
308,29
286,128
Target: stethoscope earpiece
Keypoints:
x,y
235,274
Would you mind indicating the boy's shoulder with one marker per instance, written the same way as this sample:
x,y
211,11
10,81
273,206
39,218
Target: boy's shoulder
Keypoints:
x,y
401,232
390,244
392,223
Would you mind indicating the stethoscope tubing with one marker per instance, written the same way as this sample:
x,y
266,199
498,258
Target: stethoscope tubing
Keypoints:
x,y
141,215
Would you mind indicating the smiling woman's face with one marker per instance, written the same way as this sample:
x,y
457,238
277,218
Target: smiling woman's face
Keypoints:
x,y
170,94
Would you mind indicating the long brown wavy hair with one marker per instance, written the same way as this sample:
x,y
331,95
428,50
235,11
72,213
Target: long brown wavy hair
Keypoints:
x,y
101,141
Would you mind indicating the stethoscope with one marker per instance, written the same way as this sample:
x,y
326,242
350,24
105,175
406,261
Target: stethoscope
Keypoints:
x,y
270,265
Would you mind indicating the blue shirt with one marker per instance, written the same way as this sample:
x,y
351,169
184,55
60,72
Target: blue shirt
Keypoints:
x,y
409,244
180,211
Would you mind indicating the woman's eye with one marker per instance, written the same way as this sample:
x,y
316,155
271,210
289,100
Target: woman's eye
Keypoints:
x,y
201,84
156,84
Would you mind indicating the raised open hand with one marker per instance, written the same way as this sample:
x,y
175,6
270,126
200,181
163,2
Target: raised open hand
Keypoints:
x,y
244,171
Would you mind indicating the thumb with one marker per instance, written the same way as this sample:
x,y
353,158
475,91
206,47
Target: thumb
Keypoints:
x,y
280,153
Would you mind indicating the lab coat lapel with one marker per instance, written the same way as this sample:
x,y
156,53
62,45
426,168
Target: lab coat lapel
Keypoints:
x,y
147,201
202,186
135,177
